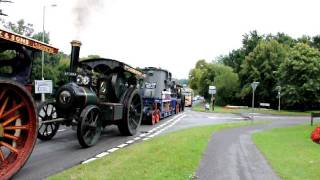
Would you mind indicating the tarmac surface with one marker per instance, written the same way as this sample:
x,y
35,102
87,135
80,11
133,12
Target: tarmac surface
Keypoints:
x,y
231,154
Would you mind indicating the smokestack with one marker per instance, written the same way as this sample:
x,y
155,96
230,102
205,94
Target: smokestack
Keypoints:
x,y
75,51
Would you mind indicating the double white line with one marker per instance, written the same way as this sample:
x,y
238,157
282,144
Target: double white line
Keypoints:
x,y
146,136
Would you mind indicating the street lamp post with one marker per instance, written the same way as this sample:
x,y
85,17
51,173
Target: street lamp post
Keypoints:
x,y
279,97
42,53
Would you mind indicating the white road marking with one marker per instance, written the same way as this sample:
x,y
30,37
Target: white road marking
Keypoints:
x,y
145,139
142,135
112,150
130,142
102,154
89,160
137,138
60,130
122,145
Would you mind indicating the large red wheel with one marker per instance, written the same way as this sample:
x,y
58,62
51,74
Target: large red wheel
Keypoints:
x,y
18,127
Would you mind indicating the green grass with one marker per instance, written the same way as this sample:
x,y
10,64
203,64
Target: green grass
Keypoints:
x,y
171,156
219,109
291,152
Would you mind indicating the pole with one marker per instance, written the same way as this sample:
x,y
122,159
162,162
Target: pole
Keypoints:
x,y
42,54
279,100
252,104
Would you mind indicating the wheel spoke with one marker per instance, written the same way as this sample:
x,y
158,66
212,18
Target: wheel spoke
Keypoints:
x,y
12,149
11,120
12,110
16,127
3,106
1,155
15,138
2,94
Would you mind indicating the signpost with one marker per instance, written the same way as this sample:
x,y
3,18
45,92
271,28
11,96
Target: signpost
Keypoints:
x,y
43,86
279,96
254,86
212,91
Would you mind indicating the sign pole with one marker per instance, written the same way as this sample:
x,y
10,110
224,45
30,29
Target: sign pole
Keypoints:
x,y
254,86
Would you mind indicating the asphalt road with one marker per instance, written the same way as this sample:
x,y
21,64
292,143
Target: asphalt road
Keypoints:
x,y
231,154
63,151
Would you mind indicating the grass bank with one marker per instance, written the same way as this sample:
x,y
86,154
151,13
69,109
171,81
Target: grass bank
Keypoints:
x,y
219,109
290,152
171,156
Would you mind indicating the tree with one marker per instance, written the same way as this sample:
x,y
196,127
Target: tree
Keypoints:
x,y
261,65
21,27
299,77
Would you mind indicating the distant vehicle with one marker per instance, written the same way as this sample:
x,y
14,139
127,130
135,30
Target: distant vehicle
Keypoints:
x,y
162,96
188,93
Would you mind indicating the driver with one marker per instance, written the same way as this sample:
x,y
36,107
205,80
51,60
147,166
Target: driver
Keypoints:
x,y
21,66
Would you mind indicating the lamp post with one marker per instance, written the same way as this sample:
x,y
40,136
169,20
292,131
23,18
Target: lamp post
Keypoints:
x,y
279,96
42,54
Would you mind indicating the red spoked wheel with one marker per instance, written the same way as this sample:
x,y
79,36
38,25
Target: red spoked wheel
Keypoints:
x,y
18,127
153,119
157,115
177,108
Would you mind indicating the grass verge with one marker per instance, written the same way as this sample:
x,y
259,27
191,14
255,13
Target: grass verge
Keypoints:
x,y
290,152
171,156
219,109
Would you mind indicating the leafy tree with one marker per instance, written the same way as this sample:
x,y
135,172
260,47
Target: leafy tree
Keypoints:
x,y
299,77
261,65
21,27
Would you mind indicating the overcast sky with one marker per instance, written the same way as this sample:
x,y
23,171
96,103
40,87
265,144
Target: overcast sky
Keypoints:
x,y
171,34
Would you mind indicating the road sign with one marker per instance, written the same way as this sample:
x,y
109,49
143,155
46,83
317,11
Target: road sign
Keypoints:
x,y
254,85
212,90
43,86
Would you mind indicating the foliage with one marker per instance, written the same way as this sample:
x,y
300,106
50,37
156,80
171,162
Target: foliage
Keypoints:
x,y
21,27
261,65
299,77
207,74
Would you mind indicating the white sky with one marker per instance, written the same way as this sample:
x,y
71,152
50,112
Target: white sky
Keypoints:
x,y
171,34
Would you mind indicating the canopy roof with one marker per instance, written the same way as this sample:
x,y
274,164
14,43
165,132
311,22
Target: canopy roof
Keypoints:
x,y
12,39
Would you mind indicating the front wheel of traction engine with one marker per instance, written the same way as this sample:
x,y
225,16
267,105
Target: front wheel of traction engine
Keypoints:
x,y
132,115
18,127
89,126
46,112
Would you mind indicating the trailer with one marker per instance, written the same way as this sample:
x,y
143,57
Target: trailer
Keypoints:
x,y
162,97
18,117
101,92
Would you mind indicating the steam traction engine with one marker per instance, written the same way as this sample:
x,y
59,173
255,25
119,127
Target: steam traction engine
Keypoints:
x,y
161,96
18,118
100,92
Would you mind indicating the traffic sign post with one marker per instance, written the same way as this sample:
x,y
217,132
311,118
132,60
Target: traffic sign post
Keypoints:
x,y
212,91
254,87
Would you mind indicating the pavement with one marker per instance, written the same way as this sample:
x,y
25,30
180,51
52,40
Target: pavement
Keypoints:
x,y
231,154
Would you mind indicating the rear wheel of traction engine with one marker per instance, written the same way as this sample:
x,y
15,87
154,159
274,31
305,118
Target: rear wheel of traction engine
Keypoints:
x,y
89,126
47,111
157,115
18,127
132,113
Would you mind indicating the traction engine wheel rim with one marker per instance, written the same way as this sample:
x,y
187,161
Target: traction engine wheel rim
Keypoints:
x,y
47,111
132,113
18,127
89,126
153,119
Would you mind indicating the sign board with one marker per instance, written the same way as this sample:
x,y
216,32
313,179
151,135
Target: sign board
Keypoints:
x,y
265,104
43,86
254,85
212,90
